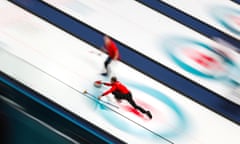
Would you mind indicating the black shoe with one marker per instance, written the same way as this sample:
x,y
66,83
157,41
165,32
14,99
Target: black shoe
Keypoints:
x,y
149,114
104,74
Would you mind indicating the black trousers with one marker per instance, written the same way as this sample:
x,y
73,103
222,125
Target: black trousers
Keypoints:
x,y
128,97
107,62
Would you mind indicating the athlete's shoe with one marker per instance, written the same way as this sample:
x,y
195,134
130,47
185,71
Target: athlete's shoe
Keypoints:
x,y
104,74
149,114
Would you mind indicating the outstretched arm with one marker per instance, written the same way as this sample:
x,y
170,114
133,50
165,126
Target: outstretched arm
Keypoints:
x,y
107,84
113,88
116,55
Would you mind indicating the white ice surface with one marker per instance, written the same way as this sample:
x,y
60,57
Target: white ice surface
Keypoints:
x,y
60,67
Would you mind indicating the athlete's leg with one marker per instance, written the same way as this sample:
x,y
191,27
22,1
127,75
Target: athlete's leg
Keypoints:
x,y
133,103
106,65
129,98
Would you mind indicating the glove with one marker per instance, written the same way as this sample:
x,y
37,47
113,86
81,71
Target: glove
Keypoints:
x,y
99,97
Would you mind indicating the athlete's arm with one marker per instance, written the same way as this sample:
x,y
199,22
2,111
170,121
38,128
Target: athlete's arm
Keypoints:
x,y
107,92
116,55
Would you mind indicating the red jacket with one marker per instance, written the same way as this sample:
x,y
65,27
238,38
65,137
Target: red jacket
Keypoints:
x,y
112,49
116,86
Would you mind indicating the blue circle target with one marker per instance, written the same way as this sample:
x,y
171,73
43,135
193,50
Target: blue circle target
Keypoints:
x,y
227,17
124,124
206,61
